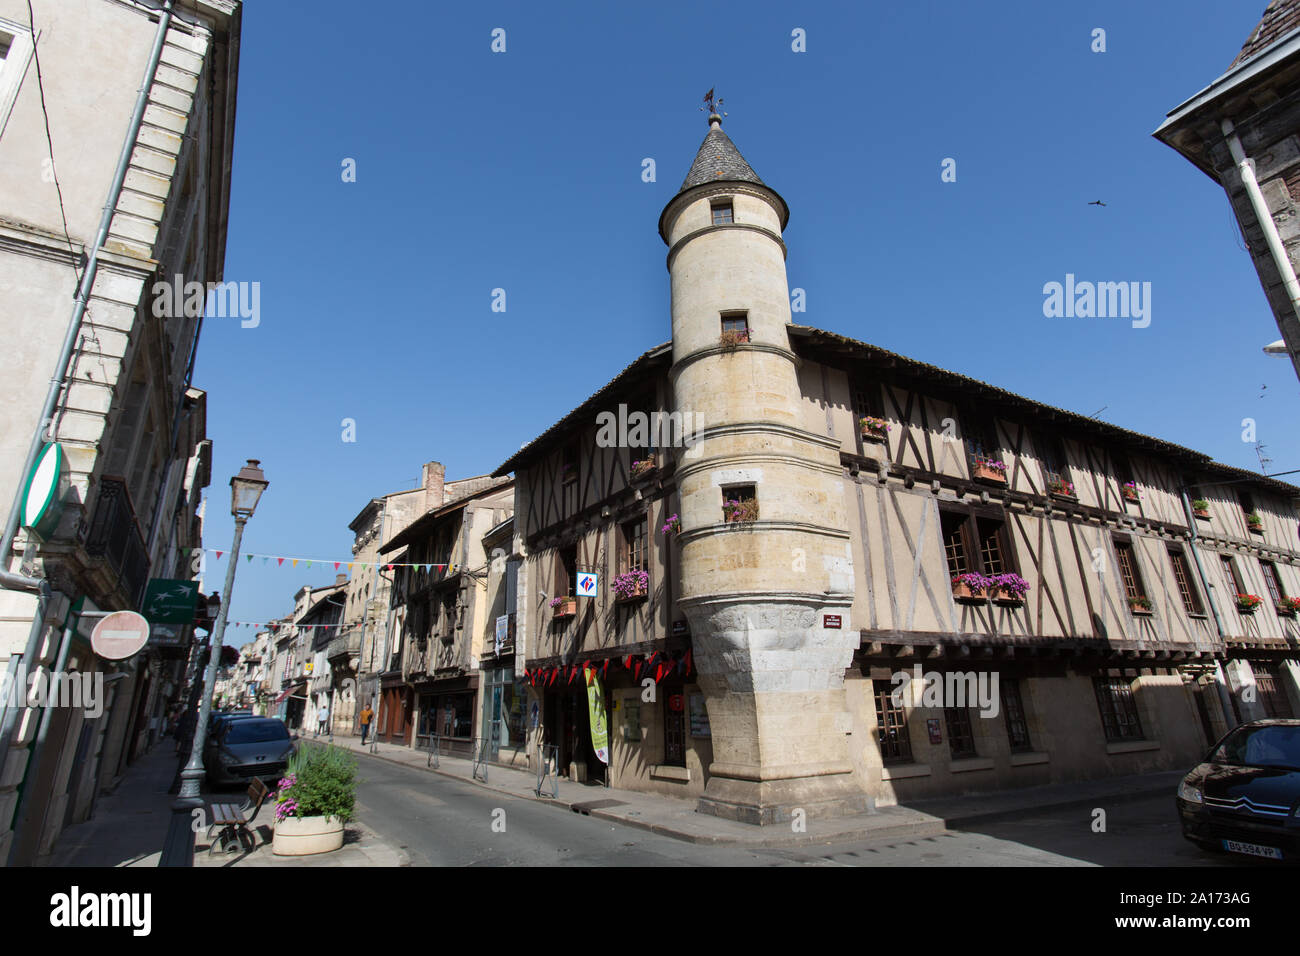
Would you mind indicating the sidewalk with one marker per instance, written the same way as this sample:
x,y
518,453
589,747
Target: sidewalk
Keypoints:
x,y
678,818
130,826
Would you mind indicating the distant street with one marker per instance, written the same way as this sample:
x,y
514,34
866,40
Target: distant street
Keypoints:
x,y
439,821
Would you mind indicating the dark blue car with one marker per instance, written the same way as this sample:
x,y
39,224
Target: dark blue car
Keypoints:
x,y
1245,797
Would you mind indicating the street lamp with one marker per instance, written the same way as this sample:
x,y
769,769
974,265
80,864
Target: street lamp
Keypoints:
x,y
245,491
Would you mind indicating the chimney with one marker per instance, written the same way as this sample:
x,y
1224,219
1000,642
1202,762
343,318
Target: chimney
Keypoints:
x,y
434,474
340,579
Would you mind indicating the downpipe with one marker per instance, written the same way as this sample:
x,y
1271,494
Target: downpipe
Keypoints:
x,y
1225,702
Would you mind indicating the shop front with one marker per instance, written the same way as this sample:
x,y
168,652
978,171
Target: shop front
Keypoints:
x,y
503,715
446,709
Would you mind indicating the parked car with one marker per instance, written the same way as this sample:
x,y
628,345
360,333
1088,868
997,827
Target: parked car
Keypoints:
x,y
248,747
1245,796
218,716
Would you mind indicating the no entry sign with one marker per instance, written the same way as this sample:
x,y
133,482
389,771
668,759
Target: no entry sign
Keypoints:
x,y
119,635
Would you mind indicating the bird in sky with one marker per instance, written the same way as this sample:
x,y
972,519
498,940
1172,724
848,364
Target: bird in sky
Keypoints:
x,y
1096,202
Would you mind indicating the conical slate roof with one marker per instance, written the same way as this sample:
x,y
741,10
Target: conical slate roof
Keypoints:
x,y
719,161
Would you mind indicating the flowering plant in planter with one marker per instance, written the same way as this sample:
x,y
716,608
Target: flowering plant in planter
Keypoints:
x,y
1007,587
970,585
990,469
1246,603
564,606
731,339
737,509
1140,604
1254,521
1293,603
1059,486
1130,490
642,467
318,782
631,584
873,427
1202,507
672,526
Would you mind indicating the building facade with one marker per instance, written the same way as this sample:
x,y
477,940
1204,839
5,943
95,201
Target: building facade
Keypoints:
x,y
80,311
831,576
439,596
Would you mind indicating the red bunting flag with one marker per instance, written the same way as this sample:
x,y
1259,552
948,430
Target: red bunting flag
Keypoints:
x,y
604,670
687,660
279,561
336,565
627,662
219,554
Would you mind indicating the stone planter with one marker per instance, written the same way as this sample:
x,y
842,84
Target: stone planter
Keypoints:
x,y
305,836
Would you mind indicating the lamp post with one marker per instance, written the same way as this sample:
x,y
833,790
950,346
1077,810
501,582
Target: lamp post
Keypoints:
x,y
245,490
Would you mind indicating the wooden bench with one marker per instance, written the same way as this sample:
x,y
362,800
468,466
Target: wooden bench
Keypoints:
x,y
231,822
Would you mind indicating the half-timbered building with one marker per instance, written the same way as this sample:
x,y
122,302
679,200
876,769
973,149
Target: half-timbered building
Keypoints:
x,y
828,575
430,685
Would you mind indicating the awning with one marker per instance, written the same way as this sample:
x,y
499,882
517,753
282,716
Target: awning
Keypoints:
x,y
288,692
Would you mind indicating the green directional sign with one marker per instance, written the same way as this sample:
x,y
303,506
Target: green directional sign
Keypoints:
x,y
170,601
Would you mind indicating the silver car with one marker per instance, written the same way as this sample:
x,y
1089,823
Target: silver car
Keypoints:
x,y
246,748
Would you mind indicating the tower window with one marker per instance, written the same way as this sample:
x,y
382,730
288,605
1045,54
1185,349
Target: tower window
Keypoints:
x,y
722,212
735,327
739,503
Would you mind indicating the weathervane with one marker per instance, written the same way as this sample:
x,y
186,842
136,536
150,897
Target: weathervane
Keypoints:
x,y
711,104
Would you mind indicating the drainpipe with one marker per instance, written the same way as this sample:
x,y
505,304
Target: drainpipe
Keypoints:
x,y
83,291
1246,169
1225,702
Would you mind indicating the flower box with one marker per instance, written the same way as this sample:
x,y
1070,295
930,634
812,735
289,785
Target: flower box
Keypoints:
x,y
1248,603
738,511
644,469
729,340
631,586
1058,487
1201,508
1255,523
1140,606
564,607
1201,513
1006,596
1007,588
874,429
969,587
1285,609
1130,491
1140,611
987,469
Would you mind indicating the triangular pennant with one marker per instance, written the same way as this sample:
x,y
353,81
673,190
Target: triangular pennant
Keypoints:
x,y
279,561
336,565
295,562
219,554
350,563
687,659
309,564
604,670
265,559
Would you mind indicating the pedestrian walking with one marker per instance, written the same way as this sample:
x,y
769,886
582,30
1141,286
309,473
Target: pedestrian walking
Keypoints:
x,y
323,720
367,715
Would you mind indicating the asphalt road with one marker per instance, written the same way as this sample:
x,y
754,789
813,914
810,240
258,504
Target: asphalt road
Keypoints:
x,y
439,821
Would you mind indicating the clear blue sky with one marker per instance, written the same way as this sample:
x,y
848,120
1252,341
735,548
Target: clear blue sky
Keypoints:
x,y
522,171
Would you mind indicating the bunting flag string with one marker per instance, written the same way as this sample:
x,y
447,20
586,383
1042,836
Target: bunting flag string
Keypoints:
x,y
428,567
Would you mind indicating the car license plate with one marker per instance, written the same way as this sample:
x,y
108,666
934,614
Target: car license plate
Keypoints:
x,y
1252,849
